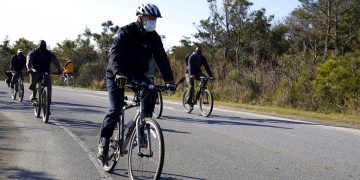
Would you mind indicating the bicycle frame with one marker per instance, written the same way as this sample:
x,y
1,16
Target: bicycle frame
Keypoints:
x,y
139,119
202,84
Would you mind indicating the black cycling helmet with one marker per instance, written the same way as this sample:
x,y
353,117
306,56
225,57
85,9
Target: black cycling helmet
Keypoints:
x,y
42,44
148,10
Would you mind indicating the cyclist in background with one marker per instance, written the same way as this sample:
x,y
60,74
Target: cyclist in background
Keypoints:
x,y
17,65
193,71
40,59
133,46
68,67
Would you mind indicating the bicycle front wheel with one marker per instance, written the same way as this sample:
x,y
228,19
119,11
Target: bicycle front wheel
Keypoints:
x,y
13,92
146,162
21,91
206,103
37,103
45,105
158,106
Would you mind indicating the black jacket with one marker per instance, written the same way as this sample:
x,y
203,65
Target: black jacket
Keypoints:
x,y
40,59
195,61
131,52
17,62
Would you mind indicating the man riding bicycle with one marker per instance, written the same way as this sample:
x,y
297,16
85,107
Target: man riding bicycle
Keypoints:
x,y
39,61
193,71
133,46
17,65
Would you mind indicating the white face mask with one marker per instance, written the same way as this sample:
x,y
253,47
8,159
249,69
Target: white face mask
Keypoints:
x,y
150,25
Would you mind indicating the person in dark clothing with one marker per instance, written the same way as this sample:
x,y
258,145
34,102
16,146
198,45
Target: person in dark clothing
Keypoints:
x,y
38,61
17,65
130,54
193,71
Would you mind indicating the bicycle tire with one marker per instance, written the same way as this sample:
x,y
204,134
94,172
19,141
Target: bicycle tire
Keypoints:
x,y
158,106
206,103
71,81
21,91
36,104
45,104
62,81
114,149
184,103
13,92
155,139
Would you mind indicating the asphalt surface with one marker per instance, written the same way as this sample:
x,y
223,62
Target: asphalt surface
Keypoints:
x,y
226,145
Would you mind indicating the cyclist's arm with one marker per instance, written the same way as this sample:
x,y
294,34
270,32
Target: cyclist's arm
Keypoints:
x,y
29,61
162,60
12,63
206,66
117,52
56,62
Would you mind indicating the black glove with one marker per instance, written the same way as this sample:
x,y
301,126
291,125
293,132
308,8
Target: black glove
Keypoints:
x,y
120,81
170,86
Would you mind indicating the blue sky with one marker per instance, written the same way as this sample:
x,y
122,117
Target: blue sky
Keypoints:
x,y
57,20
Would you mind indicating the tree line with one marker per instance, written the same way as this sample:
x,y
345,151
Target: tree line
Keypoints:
x,y
310,60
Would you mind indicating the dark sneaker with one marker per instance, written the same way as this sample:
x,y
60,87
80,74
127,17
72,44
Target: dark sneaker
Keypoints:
x,y
103,150
33,97
189,106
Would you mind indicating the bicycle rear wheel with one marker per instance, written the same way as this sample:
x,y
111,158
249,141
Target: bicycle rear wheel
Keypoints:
x,y
158,106
148,163
187,107
45,105
206,103
21,91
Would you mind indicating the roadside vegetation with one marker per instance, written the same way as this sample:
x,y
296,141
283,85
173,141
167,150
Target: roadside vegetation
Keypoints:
x,y
307,65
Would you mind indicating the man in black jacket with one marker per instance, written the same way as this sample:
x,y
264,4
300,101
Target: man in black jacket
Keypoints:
x,y
17,65
130,53
38,62
193,71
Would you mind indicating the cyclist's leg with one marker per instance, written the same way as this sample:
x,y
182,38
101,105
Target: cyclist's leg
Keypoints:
x,y
34,78
149,100
13,79
116,96
190,89
48,81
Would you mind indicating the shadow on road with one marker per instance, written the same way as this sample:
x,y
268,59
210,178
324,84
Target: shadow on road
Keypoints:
x,y
229,120
77,108
76,123
165,176
20,173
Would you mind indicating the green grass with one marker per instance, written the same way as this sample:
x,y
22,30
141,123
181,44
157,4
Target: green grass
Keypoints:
x,y
333,119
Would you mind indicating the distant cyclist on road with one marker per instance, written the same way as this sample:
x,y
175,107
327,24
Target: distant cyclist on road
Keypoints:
x,y
68,67
133,46
40,60
17,65
193,71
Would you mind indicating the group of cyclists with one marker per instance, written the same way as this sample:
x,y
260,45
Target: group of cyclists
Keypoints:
x,y
136,49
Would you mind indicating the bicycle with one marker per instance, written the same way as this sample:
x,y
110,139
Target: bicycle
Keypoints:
x,y
203,95
17,89
137,130
67,79
41,104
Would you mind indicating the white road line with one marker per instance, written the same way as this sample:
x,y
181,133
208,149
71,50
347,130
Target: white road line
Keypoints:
x,y
87,150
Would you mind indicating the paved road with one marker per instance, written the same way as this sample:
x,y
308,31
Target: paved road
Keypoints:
x,y
226,145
